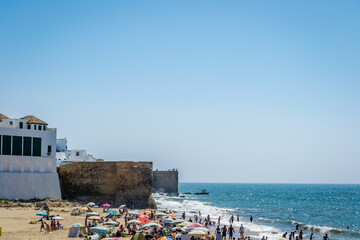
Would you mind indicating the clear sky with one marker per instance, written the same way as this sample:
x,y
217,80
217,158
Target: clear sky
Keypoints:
x,y
225,91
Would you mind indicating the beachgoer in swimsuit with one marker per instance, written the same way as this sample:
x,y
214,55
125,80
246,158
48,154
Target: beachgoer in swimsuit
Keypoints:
x,y
224,230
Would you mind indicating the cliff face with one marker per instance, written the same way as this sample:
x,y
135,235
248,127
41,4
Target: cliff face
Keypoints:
x,y
121,182
166,181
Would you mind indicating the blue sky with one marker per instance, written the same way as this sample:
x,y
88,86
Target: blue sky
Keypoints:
x,y
225,91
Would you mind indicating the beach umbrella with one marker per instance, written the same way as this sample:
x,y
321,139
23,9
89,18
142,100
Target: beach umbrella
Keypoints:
x,y
92,214
122,206
165,238
112,211
134,222
160,214
172,215
178,229
151,225
91,204
168,220
115,214
41,214
110,223
84,208
194,225
147,211
177,221
96,206
106,205
143,216
94,218
98,229
184,224
197,233
78,225
58,218
187,229
134,213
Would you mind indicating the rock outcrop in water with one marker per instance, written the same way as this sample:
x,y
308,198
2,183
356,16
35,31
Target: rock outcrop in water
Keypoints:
x,y
121,182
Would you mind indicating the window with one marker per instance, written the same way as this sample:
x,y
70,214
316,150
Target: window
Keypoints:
x,y
37,147
39,127
27,146
11,123
29,126
44,128
17,145
77,154
6,145
49,150
34,127
21,125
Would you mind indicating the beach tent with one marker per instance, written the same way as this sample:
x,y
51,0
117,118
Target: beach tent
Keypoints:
x,y
75,230
138,236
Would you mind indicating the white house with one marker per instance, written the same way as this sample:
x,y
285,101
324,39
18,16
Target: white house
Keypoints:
x,y
64,155
27,159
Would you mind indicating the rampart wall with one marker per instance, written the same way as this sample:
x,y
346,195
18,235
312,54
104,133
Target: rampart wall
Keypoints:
x,y
166,181
120,182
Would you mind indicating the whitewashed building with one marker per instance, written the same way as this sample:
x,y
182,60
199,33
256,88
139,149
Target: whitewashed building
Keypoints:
x,y
64,155
27,159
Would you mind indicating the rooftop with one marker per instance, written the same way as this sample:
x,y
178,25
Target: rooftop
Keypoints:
x,y
33,119
2,116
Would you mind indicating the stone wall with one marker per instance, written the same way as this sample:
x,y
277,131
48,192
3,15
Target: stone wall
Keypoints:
x,y
166,181
122,182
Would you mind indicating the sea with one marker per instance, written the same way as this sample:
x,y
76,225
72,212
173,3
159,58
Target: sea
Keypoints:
x,y
276,208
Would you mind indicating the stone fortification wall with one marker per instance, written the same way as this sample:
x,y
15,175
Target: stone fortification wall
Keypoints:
x,y
166,181
122,182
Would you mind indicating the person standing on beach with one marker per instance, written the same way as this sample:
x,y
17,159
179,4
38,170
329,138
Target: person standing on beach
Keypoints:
x,y
231,231
224,230
183,215
311,236
241,230
251,218
42,226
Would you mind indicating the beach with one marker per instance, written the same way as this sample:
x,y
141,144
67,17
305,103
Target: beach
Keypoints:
x,y
16,223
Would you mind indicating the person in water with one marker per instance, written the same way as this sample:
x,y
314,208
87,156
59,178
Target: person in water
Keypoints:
x,y
251,218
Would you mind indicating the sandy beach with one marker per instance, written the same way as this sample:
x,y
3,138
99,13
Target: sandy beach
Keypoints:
x,y
16,223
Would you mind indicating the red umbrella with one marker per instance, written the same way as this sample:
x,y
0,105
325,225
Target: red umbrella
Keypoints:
x,y
106,205
143,216
194,225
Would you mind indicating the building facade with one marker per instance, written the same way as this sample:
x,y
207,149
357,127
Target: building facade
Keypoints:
x,y
65,156
27,159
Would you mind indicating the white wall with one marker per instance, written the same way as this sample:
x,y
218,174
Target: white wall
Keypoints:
x,y
27,186
27,164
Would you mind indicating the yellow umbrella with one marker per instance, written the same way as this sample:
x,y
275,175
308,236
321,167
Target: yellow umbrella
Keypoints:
x,y
147,211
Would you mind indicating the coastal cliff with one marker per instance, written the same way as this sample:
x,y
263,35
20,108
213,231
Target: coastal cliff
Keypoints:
x,y
120,182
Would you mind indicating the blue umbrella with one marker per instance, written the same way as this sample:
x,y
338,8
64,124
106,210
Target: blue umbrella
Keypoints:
x,y
41,214
96,206
112,211
99,229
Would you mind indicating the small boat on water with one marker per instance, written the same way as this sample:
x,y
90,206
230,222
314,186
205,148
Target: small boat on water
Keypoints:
x,y
203,192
